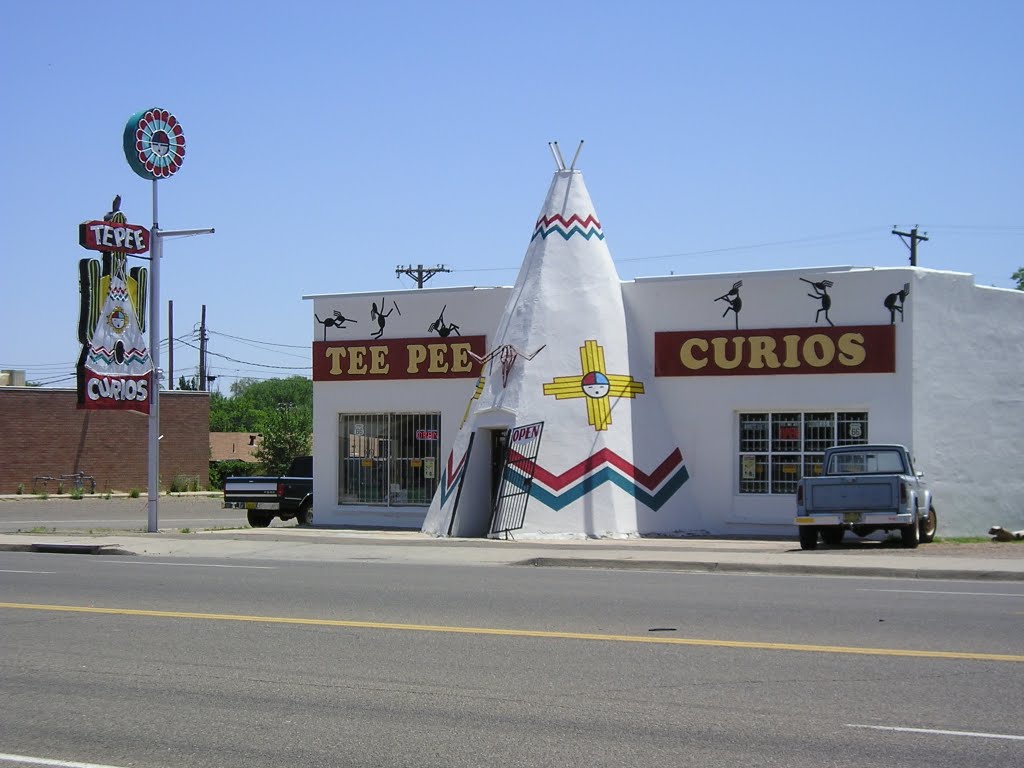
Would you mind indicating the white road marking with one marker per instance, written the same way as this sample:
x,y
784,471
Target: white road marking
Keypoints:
x,y
939,732
190,565
48,761
3,570
936,592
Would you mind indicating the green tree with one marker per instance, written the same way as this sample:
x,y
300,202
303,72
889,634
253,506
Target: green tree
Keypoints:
x,y
252,403
287,433
189,385
1019,277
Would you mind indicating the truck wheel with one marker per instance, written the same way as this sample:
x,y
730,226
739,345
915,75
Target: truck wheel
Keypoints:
x,y
808,537
305,515
910,535
259,519
833,536
928,526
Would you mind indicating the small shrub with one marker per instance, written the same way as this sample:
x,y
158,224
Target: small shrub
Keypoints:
x,y
44,495
133,493
76,493
21,488
184,530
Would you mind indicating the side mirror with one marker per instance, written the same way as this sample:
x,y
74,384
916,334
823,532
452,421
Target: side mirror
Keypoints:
x,y
919,473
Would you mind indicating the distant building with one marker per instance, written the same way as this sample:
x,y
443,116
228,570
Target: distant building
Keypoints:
x,y
234,446
10,378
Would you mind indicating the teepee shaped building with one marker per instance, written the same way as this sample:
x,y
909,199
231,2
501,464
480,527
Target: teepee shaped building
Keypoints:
x,y
561,436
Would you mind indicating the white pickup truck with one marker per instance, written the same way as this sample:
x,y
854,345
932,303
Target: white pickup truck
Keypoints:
x,y
865,488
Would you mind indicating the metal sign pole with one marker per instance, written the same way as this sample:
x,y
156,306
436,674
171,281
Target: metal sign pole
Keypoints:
x,y
154,351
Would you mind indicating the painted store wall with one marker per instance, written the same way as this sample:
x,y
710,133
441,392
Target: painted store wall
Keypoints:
x,y
969,402
473,310
954,397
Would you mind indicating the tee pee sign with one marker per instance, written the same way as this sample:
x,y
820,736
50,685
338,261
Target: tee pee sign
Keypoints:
x,y
115,368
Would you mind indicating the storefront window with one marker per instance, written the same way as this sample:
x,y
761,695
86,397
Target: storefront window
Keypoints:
x,y
390,459
777,449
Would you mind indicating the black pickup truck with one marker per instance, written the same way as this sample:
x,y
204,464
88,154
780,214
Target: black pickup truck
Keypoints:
x,y
265,498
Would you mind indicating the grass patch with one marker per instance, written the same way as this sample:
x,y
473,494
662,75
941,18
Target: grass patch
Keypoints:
x,y
44,495
76,493
972,540
133,493
184,530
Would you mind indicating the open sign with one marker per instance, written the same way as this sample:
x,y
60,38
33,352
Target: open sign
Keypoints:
x,y
426,434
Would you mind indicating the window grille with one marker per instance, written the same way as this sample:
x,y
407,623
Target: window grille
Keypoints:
x,y
777,449
388,459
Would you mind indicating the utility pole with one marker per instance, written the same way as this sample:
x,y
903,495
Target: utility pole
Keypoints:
x,y
202,351
170,345
419,273
912,245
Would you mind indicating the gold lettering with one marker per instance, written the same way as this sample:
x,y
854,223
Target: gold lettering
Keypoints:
x,y
460,358
356,366
417,354
792,351
851,349
762,351
437,361
334,354
378,361
819,358
687,357
721,360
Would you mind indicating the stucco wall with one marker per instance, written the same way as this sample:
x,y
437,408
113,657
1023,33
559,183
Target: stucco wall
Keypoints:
x,y
43,433
969,402
954,398
474,310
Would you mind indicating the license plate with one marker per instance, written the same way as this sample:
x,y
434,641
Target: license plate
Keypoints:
x,y
851,517
250,505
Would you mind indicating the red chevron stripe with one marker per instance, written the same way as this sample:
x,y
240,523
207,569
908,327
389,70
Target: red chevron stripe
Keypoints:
x,y
549,220
604,456
453,472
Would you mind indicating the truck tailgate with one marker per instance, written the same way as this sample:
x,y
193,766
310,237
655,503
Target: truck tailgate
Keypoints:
x,y
860,495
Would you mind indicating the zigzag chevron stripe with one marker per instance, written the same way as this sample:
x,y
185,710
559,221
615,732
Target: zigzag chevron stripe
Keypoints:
x,y
602,457
547,221
450,476
567,234
606,475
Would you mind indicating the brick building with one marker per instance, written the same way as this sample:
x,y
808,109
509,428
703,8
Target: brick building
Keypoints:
x,y
42,433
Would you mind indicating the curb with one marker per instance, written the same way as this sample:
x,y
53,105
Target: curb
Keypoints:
x,y
950,574
67,549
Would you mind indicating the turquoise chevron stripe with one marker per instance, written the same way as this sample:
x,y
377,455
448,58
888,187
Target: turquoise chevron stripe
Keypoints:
x,y
589,483
587,233
448,487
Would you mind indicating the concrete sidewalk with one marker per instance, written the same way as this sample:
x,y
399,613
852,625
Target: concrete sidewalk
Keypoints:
x,y
987,561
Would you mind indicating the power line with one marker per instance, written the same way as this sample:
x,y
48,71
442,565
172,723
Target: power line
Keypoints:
x,y
258,341
250,362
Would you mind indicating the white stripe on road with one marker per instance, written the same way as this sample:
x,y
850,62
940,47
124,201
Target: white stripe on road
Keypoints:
x,y
939,732
49,761
936,592
190,565
13,571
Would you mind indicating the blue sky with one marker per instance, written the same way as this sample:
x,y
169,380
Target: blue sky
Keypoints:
x,y
329,142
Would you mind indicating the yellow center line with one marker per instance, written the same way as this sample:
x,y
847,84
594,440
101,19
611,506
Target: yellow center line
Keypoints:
x,y
536,633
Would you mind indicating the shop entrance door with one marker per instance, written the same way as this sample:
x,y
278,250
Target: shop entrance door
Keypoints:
x,y
520,448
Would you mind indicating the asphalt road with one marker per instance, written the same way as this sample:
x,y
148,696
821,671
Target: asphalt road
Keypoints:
x,y
264,663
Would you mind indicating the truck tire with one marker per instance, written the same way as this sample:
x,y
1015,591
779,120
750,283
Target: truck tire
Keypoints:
x,y
808,537
833,535
259,519
910,535
928,526
305,515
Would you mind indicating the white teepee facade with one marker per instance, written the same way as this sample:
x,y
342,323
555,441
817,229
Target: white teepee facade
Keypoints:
x,y
588,446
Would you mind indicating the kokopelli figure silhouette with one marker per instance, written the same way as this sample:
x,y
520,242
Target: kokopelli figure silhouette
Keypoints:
x,y
821,293
894,303
732,298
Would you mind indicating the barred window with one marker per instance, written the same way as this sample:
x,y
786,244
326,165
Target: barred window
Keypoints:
x,y
777,449
388,459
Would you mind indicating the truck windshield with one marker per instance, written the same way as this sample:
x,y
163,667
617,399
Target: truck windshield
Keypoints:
x,y
866,463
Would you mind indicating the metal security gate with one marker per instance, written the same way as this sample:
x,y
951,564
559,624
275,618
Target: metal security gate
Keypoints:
x,y
516,479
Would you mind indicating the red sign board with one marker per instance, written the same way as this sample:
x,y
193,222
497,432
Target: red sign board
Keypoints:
x,y
115,392
384,359
426,434
776,351
113,236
